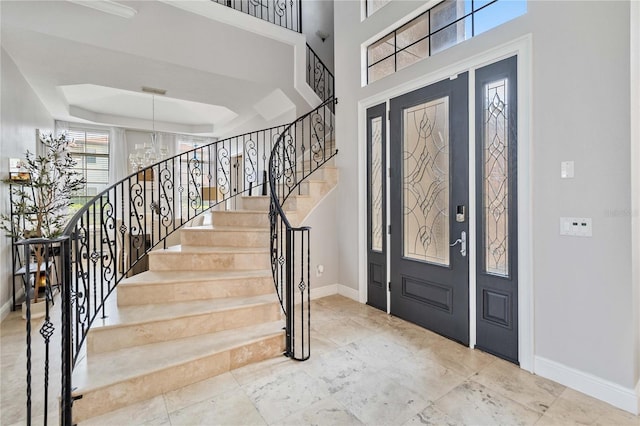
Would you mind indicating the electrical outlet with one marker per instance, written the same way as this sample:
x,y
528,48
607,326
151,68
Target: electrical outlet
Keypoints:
x,y
576,226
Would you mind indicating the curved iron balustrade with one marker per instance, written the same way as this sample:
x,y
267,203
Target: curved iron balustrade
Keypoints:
x,y
302,148
109,238
113,233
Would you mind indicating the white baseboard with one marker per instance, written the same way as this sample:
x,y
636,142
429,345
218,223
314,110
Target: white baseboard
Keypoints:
x,y
324,291
331,289
349,292
624,398
4,310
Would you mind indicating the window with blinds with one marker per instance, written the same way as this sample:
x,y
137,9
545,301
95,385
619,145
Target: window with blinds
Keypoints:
x,y
90,150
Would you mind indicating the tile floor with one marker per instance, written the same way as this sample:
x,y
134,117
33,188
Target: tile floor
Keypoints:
x,y
366,368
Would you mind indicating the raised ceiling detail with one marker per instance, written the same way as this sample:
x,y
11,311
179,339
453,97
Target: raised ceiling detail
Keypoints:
x,y
62,48
108,6
123,108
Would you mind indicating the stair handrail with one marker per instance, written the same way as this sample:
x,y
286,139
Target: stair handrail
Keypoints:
x,y
308,136
111,235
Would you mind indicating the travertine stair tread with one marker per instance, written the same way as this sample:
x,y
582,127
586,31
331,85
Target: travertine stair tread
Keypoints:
x,y
301,196
226,228
107,368
208,250
173,277
242,212
141,314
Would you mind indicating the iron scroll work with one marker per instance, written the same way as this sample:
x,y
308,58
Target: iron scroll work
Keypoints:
x,y
301,149
284,13
109,238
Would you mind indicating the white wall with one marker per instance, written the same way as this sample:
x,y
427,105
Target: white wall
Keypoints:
x,y
21,113
583,308
324,242
634,50
580,79
317,15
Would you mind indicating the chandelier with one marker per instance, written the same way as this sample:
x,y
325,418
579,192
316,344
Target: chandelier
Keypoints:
x,y
151,151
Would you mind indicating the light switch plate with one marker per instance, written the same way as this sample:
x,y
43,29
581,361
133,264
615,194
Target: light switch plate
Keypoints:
x,y
567,170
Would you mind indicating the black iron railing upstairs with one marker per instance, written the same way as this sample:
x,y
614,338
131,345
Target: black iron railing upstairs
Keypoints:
x,y
284,13
302,148
288,14
319,77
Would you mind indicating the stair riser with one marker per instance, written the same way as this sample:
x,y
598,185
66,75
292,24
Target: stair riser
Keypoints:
x,y
107,339
221,238
252,220
189,261
118,395
197,290
323,173
263,203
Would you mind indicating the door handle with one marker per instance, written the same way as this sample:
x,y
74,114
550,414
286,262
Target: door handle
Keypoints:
x,y
463,243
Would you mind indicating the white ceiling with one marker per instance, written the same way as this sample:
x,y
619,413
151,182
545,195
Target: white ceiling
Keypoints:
x,y
88,65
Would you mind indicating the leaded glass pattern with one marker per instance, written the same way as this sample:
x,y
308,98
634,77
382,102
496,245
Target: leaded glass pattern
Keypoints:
x,y
376,184
425,166
496,177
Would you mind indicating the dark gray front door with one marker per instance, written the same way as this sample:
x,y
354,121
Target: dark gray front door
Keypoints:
x,y
497,206
377,207
429,203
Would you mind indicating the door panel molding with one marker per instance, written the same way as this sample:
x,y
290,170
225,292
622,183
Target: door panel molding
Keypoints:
x,y
429,179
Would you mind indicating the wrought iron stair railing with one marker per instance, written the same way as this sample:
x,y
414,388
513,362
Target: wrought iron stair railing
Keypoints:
x,y
110,237
302,148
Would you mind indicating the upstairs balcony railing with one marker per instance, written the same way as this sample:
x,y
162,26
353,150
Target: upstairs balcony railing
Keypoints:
x,y
288,14
319,78
284,13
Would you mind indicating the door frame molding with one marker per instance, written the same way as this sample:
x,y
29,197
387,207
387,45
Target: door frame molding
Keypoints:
x,y
522,47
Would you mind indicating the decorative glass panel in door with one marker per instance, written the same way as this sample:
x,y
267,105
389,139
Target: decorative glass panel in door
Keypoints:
x,y
426,182
377,207
377,173
496,177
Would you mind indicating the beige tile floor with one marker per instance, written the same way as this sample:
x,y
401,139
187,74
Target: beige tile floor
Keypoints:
x,y
366,368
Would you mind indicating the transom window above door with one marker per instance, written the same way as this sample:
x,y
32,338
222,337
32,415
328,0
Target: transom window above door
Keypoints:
x,y
444,25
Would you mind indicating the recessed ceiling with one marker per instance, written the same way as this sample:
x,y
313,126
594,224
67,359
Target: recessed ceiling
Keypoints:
x,y
88,65
112,102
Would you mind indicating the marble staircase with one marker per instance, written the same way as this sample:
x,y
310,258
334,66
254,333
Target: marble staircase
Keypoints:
x,y
205,307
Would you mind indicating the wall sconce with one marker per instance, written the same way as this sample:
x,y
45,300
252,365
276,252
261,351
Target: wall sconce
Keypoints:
x,y
323,36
